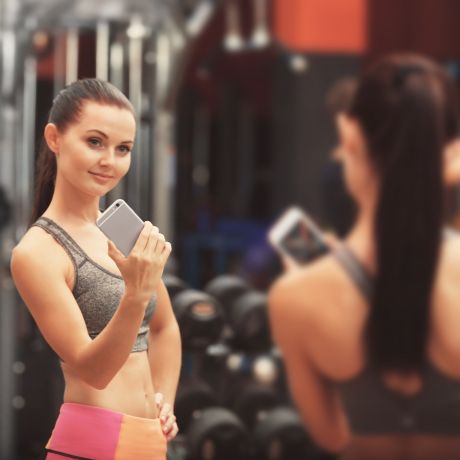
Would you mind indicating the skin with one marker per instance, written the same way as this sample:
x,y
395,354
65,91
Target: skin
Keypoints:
x,y
318,317
452,163
93,154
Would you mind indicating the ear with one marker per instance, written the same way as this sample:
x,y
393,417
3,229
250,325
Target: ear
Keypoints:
x,y
51,135
350,135
451,168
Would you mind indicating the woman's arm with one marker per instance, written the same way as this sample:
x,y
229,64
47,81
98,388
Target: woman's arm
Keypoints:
x,y
315,397
164,347
40,269
44,290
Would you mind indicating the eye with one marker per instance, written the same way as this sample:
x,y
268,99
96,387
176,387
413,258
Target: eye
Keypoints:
x,y
124,149
94,142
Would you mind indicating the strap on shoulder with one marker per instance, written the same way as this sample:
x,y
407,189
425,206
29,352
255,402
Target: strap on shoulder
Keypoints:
x,y
356,271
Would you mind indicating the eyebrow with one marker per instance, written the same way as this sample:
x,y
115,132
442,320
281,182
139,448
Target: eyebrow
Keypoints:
x,y
106,137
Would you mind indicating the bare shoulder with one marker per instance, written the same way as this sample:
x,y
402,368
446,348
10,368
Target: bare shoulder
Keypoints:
x,y
40,266
319,306
38,252
318,284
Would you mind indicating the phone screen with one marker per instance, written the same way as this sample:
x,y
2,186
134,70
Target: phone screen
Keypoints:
x,y
302,244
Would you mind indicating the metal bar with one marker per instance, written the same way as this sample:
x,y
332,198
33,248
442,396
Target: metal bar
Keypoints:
x,y
136,32
71,68
163,170
102,50
59,61
26,155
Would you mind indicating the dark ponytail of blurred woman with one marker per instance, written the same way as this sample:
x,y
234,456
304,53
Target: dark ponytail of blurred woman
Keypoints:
x,y
65,110
406,107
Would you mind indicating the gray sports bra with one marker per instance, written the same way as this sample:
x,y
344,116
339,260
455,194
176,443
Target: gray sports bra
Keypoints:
x,y
372,408
97,291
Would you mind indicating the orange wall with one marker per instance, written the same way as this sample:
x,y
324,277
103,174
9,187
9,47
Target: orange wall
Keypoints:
x,y
322,25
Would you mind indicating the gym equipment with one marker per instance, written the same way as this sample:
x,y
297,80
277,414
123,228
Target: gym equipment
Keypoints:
x,y
252,401
5,209
249,386
280,435
193,396
173,284
233,40
199,315
246,311
217,434
260,36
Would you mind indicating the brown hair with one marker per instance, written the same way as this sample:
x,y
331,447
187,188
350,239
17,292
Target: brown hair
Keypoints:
x,y
406,107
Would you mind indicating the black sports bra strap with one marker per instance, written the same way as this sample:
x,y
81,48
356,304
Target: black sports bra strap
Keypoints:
x,y
358,274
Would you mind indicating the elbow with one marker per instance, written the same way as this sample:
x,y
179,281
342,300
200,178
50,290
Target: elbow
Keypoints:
x,y
94,378
98,384
333,444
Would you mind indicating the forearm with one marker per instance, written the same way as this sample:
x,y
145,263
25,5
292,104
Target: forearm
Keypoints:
x,y
165,360
104,356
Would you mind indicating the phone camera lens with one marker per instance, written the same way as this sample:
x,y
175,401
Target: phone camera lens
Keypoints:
x,y
118,204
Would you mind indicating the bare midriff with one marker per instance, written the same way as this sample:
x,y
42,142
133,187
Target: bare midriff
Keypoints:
x,y
131,391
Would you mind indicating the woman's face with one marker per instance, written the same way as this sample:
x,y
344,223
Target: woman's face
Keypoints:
x,y
94,152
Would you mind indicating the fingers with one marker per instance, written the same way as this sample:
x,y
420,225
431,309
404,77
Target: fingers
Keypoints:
x,y
152,243
157,242
169,424
143,238
166,416
159,400
165,412
331,239
173,433
289,264
158,246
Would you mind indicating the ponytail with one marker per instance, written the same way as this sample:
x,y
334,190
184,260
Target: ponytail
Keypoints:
x,y
45,179
407,120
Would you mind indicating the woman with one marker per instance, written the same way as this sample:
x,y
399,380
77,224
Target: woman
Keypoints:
x,y
369,332
108,317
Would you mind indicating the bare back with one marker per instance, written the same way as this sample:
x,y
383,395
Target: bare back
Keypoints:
x,y
336,314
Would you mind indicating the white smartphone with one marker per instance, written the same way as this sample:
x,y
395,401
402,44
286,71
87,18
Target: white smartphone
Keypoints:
x,y
295,236
121,225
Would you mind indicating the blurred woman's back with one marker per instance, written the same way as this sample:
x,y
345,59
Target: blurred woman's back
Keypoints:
x,y
378,317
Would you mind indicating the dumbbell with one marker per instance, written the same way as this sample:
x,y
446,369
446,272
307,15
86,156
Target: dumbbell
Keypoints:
x,y
280,435
217,433
246,311
173,284
200,316
252,401
250,386
193,395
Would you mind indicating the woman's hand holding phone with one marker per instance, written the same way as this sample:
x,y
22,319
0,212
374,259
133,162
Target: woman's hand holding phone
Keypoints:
x,y
298,239
143,267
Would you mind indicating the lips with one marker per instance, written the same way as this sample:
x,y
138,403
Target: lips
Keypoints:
x,y
102,177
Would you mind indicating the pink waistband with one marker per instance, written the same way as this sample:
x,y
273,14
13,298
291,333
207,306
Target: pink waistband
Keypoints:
x,y
102,434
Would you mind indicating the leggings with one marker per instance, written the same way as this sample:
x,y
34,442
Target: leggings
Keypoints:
x,y
93,433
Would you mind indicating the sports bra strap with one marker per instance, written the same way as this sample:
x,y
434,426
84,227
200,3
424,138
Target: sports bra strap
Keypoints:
x,y
354,268
64,239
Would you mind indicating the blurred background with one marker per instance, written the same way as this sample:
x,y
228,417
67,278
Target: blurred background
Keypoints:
x,y
235,102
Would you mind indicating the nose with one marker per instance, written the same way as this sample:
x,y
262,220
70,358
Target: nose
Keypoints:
x,y
107,158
